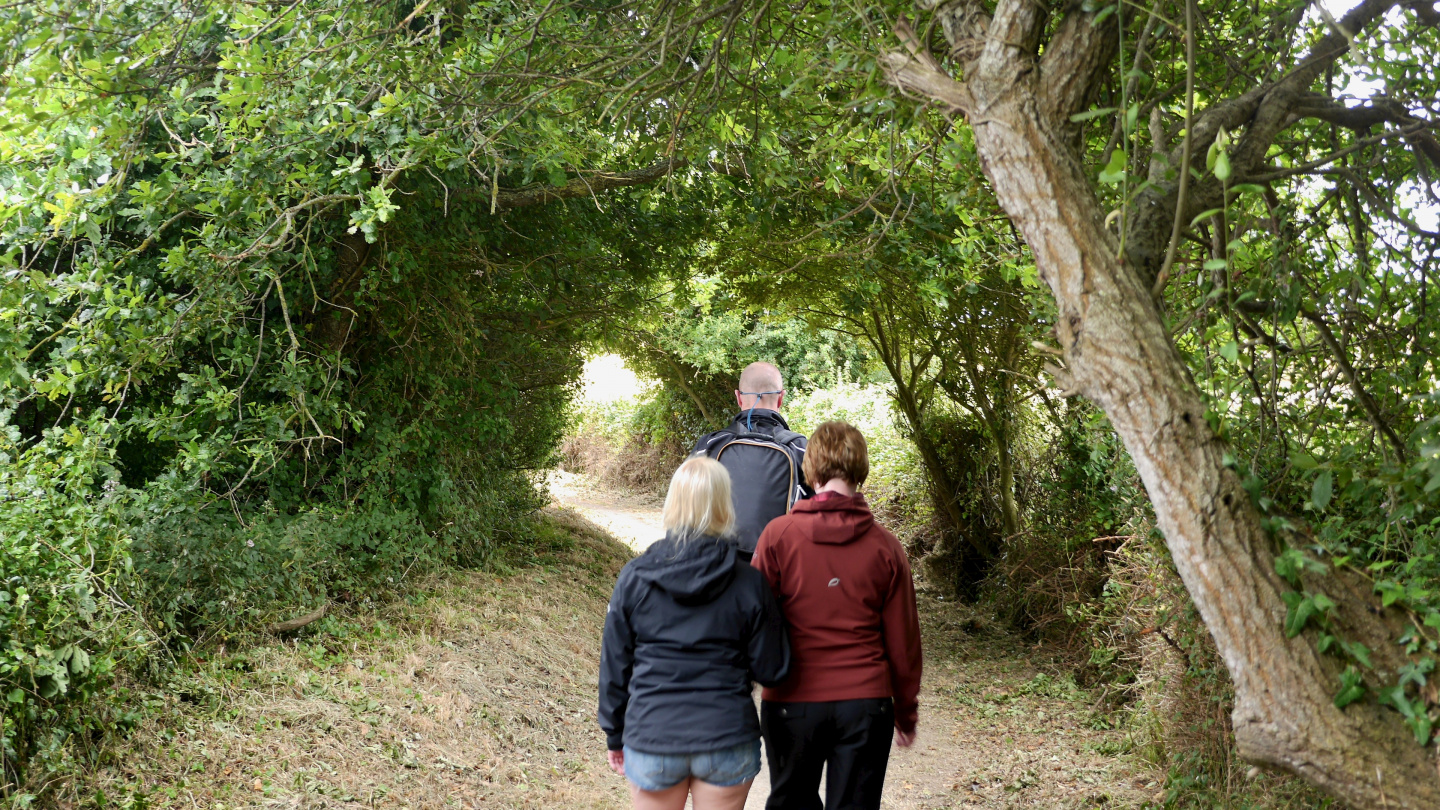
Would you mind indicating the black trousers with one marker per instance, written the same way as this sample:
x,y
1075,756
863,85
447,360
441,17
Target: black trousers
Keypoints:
x,y
851,737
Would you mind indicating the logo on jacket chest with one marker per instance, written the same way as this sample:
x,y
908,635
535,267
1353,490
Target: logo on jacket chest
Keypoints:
x,y
834,581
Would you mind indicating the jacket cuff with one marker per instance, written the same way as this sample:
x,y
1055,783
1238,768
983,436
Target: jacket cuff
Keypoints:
x,y
616,741
906,718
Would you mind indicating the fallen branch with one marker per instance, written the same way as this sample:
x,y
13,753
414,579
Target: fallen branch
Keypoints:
x,y
298,622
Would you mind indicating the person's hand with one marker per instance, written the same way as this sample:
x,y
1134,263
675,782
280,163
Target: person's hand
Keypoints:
x,y
904,740
617,761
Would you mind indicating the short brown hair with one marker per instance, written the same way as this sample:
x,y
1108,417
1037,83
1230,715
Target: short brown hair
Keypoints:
x,y
836,450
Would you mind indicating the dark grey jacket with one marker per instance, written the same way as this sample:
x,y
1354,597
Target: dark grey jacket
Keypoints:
x,y
689,626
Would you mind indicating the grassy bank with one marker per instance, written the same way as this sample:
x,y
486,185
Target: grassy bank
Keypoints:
x,y
477,685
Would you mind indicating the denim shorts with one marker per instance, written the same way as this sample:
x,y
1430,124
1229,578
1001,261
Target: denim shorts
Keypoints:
x,y
726,767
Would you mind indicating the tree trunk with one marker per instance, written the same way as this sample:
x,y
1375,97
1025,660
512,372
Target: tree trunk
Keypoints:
x,y
1121,357
1119,354
934,466
996,413
944,490
1009,511
689,392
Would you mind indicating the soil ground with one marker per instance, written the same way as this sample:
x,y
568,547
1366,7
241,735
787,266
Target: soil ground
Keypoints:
x,y
479,692
633,519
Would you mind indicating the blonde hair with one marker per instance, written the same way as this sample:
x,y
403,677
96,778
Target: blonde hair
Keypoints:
x,y
698,503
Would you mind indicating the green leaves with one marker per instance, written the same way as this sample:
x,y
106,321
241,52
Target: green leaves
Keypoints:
x,y
1230,350
1221,166
1352,688
1415,672
1302,608
1290,564
1415,715
61,644
1204,215
1217,159
1359,652
377,210
1089,115
1114,171
1322,489
185,319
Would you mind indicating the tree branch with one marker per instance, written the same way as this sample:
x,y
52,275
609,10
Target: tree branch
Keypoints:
x,y
1426,10
581,186
1076,59
1014,33
1310,167
1363,117
917,74
1367,403
965,23
1275,102
298,622
1264,112
1342,359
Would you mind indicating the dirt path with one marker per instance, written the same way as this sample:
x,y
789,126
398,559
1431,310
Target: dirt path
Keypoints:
x,y
633,519
478,691
1008,736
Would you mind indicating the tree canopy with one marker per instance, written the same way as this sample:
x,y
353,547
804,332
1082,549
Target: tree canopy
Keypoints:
x,y
295,295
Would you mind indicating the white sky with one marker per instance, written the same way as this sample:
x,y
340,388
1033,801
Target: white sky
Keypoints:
x,y
1358,89
606,379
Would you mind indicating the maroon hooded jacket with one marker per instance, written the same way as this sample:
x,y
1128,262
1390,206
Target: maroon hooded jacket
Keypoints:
x,y
843,583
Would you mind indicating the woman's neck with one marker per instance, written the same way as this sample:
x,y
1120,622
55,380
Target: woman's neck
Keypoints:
x,y
839,486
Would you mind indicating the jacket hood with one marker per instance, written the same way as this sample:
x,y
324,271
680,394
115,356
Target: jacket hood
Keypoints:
x,y
838,519
694,572
760,418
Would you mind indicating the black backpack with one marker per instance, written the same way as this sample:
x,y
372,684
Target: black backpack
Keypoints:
x,y
765,475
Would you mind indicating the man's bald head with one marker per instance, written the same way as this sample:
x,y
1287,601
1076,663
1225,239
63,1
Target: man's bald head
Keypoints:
x,y
758,378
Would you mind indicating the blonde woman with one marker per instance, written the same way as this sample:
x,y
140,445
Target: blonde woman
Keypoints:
x,y
689,627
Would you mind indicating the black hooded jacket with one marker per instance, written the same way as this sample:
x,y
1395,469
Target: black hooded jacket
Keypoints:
x,y
689,626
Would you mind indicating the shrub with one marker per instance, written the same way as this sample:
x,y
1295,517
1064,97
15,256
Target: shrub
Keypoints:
x,y
1082,499
894,467
632,444
68,616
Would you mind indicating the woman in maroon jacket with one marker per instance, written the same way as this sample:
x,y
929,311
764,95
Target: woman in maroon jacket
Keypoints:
x,y
843,583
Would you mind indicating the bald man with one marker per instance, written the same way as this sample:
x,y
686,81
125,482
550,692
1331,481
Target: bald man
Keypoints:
x,y
764,456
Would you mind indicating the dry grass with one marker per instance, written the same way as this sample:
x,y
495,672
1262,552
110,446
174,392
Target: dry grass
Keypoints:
x,y
481,695
1005,727
1178,702
634,467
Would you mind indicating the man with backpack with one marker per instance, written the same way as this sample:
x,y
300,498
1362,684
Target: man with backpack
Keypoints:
x,y
762,454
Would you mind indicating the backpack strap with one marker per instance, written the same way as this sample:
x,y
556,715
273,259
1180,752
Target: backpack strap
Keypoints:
x,y
712,443
789,437
795,444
